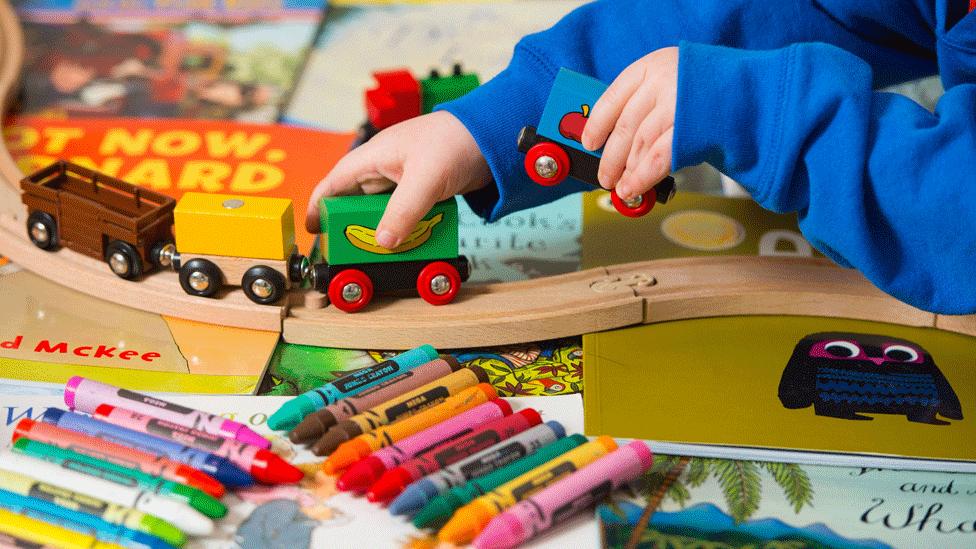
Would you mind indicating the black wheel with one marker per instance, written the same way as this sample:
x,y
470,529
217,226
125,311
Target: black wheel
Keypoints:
x,y
298,268
200,277
263,285
43,230
162,253
123,259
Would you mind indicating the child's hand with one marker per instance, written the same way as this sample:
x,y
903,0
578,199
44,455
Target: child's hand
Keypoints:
x,y
431,158
637,113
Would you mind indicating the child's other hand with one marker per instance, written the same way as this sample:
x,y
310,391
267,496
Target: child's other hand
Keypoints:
x,y
431,158
634,122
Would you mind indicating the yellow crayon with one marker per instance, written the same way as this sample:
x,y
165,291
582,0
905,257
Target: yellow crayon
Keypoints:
x,y
471,519
40,532
363,445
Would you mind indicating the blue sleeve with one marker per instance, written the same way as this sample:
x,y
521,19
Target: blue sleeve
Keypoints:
x,y
880,183
603,38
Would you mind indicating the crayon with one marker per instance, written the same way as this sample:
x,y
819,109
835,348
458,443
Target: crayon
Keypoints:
x,y
392,482
316,424
111,513
220,468
361,446
79,522
265,466
124,476
362,474
85,395
421,492
471,519
149,463
179,514
47,535
562,499
397,408
296,409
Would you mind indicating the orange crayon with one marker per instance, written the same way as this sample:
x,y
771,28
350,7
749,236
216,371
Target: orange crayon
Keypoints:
x,y
363,445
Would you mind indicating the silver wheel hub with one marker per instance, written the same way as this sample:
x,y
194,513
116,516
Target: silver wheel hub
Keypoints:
x,y
634,202
262,288
352,292
119,263
166,255
546,166
440,284
199,281
40,233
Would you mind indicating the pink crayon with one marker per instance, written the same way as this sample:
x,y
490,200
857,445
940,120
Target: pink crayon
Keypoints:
x,y
265,466
362,474
86,395
564,498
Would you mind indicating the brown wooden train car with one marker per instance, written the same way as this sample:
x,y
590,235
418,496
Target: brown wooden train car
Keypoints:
x,y
128,227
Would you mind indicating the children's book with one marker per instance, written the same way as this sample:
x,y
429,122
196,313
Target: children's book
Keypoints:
x,y
314,514
794,389
691,224
177,156
533,369
724,504
214,60
49,333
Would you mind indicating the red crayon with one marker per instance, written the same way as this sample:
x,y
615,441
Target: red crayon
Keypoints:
x,y
395,480
265,466
116,453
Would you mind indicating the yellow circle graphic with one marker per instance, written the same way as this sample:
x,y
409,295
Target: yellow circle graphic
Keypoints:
x,y
703,230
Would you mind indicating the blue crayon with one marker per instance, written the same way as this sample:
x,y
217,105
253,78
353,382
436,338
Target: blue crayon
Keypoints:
x,y
294,411
79,522
219,468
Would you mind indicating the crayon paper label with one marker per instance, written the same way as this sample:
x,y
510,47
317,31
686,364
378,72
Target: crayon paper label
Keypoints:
x,y
546,478
424,400
181,434
599,492
155,403
97,472
365,376
459,451
67,499
495,460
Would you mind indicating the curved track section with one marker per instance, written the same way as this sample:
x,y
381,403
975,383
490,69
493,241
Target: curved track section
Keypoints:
x,y
572,304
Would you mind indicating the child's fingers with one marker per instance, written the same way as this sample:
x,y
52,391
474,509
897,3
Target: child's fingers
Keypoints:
x,y
618,146
412,198
652,168
604,114
650,131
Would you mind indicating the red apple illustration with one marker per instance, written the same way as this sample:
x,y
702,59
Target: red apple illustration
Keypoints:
x,y
572,123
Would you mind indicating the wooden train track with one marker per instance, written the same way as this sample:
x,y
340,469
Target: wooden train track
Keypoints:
x,y
493,314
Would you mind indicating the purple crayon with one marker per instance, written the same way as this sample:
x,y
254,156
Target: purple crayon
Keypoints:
x,y
87,395
566,497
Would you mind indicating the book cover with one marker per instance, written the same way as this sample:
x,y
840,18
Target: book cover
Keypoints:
x,y
49,333
175,156
213,60
717,503
803,389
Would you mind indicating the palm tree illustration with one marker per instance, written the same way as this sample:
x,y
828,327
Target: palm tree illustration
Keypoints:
x,y
673,477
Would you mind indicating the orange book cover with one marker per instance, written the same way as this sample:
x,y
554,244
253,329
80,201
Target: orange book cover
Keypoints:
x,y
173,156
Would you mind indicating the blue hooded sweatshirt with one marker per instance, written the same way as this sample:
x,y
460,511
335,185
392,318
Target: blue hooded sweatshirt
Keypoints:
x,y
781,97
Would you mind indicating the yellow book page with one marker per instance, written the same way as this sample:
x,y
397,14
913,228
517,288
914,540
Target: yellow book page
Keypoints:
x,y
717,381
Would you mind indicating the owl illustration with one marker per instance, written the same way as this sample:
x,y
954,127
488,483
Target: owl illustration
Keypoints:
x,y
843,374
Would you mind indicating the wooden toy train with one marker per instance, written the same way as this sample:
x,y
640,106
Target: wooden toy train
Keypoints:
x,y
216,240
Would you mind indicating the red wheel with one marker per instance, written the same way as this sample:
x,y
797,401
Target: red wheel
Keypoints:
x,y
640,209
350,290
438,283
547,163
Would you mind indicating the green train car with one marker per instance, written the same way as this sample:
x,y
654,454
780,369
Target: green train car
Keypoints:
x,y
355,266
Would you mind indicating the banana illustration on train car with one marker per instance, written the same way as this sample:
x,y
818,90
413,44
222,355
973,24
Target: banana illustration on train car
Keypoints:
x,y
355,266
215,240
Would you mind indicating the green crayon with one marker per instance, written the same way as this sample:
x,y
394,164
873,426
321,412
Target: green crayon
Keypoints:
x,y
440,509
108,512
194,497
